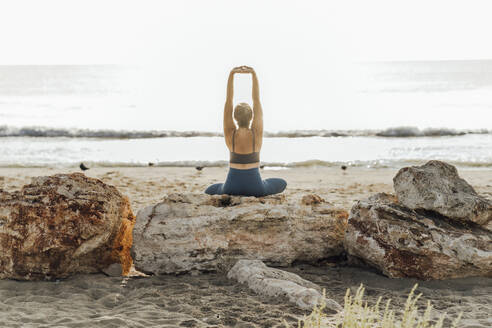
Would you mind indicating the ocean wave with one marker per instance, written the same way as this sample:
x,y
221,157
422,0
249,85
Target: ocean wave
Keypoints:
x,y
8,131
405,131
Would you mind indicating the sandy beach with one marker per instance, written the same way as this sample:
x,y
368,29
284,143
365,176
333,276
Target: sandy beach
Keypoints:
x,y
147,185
212,300
380,126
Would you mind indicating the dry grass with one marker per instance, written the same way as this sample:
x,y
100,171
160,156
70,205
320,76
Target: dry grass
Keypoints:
x,y
358,314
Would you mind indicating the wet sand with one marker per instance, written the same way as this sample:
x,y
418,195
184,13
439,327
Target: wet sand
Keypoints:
x,y
212,300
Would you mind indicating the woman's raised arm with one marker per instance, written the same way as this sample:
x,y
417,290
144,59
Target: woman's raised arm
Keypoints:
x,y
229,125
257,124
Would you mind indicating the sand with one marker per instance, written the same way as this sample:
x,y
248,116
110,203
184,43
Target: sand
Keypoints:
x,y
212,300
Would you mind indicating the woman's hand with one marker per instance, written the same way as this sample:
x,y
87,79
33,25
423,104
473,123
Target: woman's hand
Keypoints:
x,y
242,70
247,69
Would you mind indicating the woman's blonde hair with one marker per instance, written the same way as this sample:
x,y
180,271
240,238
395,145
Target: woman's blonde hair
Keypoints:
x,y
243,115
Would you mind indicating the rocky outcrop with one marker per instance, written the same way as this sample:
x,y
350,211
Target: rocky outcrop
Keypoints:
x,y
437,227
437,187
198,232
401,242
272,282
63,224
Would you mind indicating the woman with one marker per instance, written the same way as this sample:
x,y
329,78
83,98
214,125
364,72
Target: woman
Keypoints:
x,y
244,143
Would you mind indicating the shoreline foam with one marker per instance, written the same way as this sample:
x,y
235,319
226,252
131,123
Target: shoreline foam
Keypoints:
x,y
401,131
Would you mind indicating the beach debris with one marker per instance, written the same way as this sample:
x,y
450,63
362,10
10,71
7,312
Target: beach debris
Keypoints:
x,y
83,167
199,168
271,282
312,199
151,164
343,167
401,242
195,231
437,187
63,224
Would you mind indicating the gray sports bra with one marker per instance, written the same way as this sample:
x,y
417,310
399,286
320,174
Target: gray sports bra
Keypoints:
x,y
236,158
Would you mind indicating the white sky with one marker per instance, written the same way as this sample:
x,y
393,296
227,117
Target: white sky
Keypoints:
x,y
104,31
302,51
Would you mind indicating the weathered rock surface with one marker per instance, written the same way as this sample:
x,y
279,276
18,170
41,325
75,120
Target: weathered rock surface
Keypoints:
x,y
436,186
277,283
63,224
403,243
113,270
198,232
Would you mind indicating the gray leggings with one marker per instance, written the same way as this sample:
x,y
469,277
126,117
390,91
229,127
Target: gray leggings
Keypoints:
x,y
247,183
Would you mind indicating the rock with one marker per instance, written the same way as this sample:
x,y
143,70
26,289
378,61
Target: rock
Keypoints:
x,y
400,242
113,270
271,282
200,232
436,186
63,224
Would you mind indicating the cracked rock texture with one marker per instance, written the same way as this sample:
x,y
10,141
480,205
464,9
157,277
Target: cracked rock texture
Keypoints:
x,y
437,187
272,282
198,232
63,224
401,242
437,227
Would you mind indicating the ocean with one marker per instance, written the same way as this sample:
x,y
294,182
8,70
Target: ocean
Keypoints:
x,y
387,114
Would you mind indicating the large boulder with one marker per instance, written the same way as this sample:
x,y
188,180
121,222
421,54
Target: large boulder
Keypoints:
x,y
198,232
436,186
273,282
63,224
401,242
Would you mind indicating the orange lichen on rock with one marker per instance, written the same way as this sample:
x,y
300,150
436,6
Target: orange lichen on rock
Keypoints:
x,y
63,224
124,239
340,227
